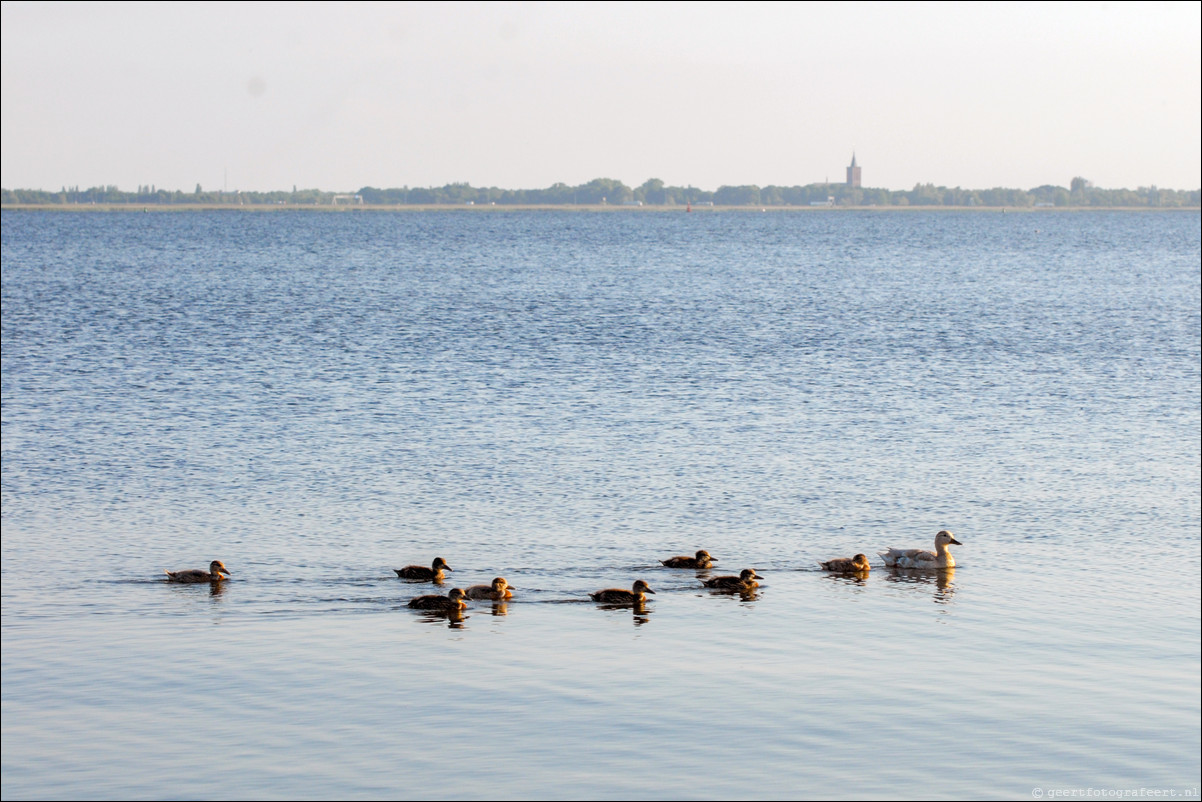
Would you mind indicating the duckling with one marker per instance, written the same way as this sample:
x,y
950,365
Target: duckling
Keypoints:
x,y
746,580
452,602
499,590
918,558
700,561
431,574
856,565
217,572
619,596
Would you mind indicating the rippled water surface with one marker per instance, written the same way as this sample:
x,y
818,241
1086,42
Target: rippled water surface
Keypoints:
x,y
564,399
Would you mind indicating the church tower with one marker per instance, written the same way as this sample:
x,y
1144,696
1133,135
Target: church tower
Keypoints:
x,y
853,172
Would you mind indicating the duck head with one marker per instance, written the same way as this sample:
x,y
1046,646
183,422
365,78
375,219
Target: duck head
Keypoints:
x,y
945,538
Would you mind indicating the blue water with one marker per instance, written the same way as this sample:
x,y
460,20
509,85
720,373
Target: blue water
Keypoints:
x,y
564,399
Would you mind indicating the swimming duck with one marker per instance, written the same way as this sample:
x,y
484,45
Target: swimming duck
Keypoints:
x,y
918,558
217,571
431,574
619,596
701,560
843,565
499,590
452,602
746,580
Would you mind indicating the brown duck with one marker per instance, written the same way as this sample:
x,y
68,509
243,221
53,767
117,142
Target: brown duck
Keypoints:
x,y
421,572
844,565
452,602
499,590
217,572
636,595
746,580
700,560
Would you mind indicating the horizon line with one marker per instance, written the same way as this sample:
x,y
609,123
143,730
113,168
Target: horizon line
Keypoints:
x,y
833,184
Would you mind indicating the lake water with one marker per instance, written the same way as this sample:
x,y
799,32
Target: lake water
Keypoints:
x,y
564,399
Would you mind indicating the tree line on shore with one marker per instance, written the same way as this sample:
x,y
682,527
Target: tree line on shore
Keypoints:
x,y
607,191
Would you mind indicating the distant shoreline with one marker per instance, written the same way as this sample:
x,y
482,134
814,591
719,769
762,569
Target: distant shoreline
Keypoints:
x,y
566,207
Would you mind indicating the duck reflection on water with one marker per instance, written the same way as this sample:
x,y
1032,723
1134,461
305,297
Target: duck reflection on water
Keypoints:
x,y
640,613
742,594
943,581
454,618
857,578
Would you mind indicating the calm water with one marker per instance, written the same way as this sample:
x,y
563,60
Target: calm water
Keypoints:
x,y
564,399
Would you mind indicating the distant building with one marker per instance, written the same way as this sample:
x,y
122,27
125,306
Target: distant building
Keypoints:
x,y
853,172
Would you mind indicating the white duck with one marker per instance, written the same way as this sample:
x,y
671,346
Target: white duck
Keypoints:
x,y
918,558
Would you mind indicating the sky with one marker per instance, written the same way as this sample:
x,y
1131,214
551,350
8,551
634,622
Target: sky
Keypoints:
x,y
338,96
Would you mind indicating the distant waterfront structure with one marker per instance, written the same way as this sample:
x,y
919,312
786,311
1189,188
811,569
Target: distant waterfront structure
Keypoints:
x,y
853,172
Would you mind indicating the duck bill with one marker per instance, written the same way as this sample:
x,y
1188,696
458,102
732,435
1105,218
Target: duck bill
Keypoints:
x,y
648,590
956,542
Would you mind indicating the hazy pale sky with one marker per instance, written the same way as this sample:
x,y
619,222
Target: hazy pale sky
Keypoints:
x,y
337,96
